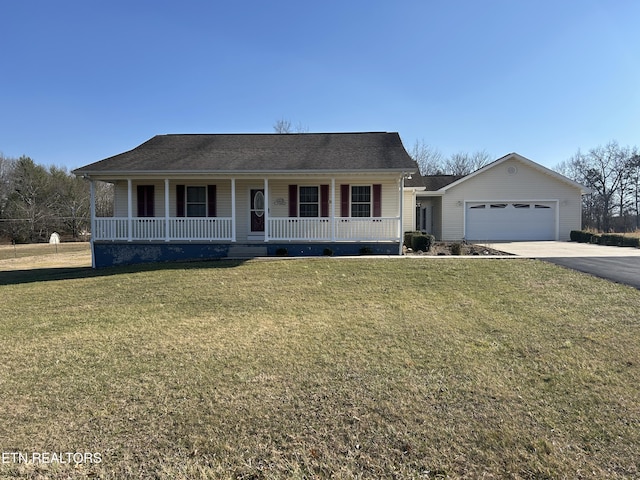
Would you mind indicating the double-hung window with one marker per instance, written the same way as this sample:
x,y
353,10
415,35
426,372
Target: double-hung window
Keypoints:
x,y
309,204
196,201
361,201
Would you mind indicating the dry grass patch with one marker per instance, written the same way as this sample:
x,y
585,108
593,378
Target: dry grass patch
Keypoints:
x,y
44,255
317,368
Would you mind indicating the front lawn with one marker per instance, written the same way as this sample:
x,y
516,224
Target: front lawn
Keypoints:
x,y
318,368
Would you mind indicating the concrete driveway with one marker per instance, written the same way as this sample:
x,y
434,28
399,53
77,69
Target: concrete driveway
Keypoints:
x,y
619,264
562,249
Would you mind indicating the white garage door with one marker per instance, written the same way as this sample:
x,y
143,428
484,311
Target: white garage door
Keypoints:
x,y
510,221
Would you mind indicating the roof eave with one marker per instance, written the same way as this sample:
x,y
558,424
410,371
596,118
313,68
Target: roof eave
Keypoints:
x,y
583,190
177,173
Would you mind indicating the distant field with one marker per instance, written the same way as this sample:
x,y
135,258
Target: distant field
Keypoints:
x,y
72,254
321,368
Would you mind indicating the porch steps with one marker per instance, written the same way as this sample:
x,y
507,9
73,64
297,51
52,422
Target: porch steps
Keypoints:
x,y
244,251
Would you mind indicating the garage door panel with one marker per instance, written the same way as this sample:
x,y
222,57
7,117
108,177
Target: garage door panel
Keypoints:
x,y
510,221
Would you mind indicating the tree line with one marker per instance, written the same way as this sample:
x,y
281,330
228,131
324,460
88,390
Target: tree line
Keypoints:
x,y
36,201
612,172
432,161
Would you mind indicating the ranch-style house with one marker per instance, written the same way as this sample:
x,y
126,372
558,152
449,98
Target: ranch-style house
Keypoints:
x,y
201,196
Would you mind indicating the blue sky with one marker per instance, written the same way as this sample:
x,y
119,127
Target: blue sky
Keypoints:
x,y
84,80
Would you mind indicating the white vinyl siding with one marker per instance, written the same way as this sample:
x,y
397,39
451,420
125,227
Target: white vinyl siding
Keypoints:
x,y
409,212
120,197
498,185
278,195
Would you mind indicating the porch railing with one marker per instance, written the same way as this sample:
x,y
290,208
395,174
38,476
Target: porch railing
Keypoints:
x,y
221,229
211,228
383,228
181,228
299,229
344,229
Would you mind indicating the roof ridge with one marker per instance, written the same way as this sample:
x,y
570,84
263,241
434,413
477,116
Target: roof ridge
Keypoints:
x,y
273,133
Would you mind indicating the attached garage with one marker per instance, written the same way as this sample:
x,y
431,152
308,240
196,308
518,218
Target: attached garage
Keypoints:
x,y
510,199
509,220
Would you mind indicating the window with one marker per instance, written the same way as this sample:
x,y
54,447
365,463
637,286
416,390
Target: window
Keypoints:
x,y
196,201
521,205
309,202
361,201
498,205
542,206
478,206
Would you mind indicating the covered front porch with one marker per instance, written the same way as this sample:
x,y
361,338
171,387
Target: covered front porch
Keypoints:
x,y
249,210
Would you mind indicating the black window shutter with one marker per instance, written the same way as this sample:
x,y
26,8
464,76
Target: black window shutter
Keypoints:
x,y
180,189
211,201
141,200
150,201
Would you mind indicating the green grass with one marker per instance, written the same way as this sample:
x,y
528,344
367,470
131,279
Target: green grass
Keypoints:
x,y
319,368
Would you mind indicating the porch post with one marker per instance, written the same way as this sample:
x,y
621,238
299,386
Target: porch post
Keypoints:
x,y
233,209
129,210
266,209
92,196
333,210
401,208
166,209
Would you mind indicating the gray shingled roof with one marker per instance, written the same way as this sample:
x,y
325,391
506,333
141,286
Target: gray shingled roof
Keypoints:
x,y
260,152
431,182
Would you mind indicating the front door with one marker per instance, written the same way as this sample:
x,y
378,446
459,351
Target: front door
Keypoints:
x,y
257,210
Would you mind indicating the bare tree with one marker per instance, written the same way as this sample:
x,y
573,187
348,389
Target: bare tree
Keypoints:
x,y
7,167
284,126
104,199
428,158
611,172
463,163
431,161
71,205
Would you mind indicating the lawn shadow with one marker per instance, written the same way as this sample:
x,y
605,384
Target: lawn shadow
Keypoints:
x,y
34,275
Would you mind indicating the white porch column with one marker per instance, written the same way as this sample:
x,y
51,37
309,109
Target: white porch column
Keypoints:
x,y
266,209
166,209
129,209
401,208
233,209
92,196
333,209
